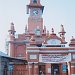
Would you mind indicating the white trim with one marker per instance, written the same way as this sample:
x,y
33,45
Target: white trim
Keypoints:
x,y
49,47
55,51
33,62
33,50
72,74
52,51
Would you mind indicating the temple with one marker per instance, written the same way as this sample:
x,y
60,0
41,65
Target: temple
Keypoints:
x,y
45,52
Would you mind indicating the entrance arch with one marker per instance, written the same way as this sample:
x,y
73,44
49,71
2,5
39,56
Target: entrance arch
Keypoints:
x,y
55,69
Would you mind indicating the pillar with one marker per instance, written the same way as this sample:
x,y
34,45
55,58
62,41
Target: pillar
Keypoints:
x,y
69,68
48,69
72,68
63,69
29,69
36,70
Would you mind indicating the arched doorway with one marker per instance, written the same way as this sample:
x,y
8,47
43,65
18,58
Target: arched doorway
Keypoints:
x,y
55,69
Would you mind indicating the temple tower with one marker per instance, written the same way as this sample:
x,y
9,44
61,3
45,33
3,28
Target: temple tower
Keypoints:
x,y
35,20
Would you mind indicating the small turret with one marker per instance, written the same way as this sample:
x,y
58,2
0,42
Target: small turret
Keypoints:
x,y
62,33
11,41
52,31
26,30
72,42
44,30
12,29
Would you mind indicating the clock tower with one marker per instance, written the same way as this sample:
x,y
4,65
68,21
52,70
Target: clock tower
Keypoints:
x,y
35,20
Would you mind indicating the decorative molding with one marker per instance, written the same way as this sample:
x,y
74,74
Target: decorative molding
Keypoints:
x,y
33,50
51,47
55,51
52,51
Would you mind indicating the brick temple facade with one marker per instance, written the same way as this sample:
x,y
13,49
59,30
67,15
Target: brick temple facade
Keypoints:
x,y
45,52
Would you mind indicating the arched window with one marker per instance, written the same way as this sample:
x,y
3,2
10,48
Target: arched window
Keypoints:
x,y
54,42
34,1
37,32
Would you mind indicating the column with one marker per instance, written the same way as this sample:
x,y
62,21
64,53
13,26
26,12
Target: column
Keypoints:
x,y
30,69
69,68
64,69
72,68
36,70
48,69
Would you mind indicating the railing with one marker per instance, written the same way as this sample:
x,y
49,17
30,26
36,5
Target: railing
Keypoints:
x,y
17,72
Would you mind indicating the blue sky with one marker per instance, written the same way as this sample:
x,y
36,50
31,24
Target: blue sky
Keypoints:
x,y
56,12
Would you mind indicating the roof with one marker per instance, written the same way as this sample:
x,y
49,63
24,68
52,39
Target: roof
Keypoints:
x,y
12,59
3,54
54,36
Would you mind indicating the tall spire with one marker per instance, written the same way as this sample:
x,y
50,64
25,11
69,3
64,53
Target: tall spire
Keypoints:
x,y
62,33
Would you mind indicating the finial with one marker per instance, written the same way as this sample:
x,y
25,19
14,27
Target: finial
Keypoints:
x,y
12,26
62,29
62,33
72,37
25,28
12,23
44,30
62,25
52,31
